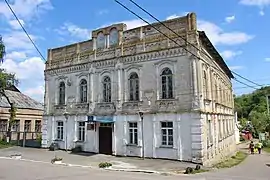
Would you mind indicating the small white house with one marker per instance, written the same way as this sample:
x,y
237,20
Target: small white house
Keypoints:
x,y
136,93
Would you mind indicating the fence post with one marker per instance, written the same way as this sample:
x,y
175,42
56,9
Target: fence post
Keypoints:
x,y
24,137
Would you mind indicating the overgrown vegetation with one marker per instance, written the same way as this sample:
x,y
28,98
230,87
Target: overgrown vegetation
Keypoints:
x,y
197,169
77,149
104,165
56,159
4,144
252,111
232,161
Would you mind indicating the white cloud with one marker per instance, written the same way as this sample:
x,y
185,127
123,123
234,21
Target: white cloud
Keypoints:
x,y
176,15
260,3
15,24
103,11
261,12
236,67
130,23
16,55
229,19
172,17
267,59
31,68
36,93
230,54
30,74
25,9
18,40
74,31
218,36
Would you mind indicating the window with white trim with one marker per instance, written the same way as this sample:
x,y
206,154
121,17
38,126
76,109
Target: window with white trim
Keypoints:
x,y
107,89
167,133
81,131
133,133
60,130
83,91
166,84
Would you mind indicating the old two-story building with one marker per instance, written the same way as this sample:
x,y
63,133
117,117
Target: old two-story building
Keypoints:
x,y
28,119
139,92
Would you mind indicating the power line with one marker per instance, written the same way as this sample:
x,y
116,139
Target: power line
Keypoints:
x,y
144,10
25,30
245,84
246,79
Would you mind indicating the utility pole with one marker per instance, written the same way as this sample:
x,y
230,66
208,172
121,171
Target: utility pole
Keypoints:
x,y
267,103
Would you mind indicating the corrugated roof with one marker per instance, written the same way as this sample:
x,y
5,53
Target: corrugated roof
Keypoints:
x,y
20,100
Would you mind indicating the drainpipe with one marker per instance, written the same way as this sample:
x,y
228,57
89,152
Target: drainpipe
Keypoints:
x,y
141,116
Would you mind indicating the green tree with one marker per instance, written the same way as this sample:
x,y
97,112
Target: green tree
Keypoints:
x,y
253,107
7,80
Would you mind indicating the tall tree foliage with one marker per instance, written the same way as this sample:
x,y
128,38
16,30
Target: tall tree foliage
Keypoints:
x,y
7,80
253,107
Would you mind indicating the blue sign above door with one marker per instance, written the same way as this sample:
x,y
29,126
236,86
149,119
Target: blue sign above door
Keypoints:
x,y
104,119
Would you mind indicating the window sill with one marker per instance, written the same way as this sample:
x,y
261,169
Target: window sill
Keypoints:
x,y
133,145
59,140
78,141
166,147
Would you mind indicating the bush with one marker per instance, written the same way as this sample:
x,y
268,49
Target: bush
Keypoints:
x,y
189,170
56,159
266,143
77,149
53,147
198,167
104,164
39,138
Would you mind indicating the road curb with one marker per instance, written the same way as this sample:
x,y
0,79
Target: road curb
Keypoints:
x,y
133,170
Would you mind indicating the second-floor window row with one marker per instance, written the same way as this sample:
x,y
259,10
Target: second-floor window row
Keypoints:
x,y
166,88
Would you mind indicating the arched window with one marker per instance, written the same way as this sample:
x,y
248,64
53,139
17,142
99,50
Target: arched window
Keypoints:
x,y
113,38
100,40
62,93
83,91
134,87
205,88
167,84
107,89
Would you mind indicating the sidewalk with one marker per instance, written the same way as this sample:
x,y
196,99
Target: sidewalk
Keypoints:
x,y
93,160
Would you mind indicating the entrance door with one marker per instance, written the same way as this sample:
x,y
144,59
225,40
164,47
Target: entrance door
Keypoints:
x,y
105,138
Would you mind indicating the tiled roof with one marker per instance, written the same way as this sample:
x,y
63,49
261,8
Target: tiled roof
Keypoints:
x,y
20,100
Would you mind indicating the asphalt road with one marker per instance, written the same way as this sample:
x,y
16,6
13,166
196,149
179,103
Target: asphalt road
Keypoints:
x,y
255,167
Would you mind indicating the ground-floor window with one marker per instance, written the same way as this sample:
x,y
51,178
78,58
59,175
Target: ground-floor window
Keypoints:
x,y
81,131
133,133
167,133
16,126
38,126
3,125
27,126
60,130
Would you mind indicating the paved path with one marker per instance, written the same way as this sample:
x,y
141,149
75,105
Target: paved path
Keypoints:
x,y
253,168
93,160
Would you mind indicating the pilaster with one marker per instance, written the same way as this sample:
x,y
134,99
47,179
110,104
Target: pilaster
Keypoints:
x,y
197,134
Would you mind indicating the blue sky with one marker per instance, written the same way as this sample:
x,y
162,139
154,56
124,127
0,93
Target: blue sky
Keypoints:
x,y
238,28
